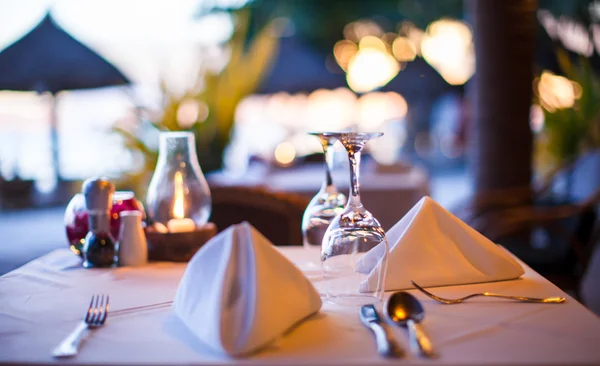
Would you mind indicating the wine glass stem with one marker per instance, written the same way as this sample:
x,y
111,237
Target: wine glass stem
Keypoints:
x,y
328,152
354,158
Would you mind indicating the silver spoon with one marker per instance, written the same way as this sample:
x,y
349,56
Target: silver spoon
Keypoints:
x,y
405,310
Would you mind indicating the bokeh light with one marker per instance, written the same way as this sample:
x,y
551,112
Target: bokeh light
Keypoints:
x,y
372,42
331,110
191,111
556,92
548,22
448,47
574,36
404,49
285,153
376,108
372,58
267,125
343,51
413,33
370,69
536,118
359,29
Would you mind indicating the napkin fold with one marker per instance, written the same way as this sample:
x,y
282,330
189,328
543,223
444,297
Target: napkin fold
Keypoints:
x,y
239,293
432,247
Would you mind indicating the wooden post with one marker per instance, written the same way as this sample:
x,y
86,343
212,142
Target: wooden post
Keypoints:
x,y
501,150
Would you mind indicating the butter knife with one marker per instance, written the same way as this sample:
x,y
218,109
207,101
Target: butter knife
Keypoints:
x,y
370,318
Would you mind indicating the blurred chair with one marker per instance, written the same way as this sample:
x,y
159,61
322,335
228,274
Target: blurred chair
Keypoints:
x,y
556,238
16,193
277,215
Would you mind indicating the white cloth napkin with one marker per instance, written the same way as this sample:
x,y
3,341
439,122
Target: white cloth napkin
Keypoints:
x,y
432,247
239,293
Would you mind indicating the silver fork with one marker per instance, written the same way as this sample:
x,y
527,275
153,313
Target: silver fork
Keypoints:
x,y
94,318
547,300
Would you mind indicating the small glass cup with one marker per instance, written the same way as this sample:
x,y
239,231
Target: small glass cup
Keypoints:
x,y
355,249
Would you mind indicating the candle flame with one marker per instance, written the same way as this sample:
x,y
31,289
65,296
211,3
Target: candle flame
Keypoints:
x,y
178,205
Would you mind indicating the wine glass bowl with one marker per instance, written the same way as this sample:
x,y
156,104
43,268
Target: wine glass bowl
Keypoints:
x,y
318,215
350,276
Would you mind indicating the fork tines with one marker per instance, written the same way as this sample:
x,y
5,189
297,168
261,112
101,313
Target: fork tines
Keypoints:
x,y
97,311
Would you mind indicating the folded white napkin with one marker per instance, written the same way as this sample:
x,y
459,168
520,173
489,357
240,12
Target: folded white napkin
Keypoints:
x,y
239,293
432,247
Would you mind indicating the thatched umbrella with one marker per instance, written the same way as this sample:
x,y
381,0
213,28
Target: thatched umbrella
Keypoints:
x,y
49,60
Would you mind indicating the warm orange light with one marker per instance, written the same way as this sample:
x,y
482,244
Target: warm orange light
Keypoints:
x,y
413,33
343,51
285,153
371,68
178,204
556,92
372,42
404,49
355,31
375,108
187,113
448,47
399,314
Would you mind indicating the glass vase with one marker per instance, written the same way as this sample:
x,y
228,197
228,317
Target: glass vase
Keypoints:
x,y
178,197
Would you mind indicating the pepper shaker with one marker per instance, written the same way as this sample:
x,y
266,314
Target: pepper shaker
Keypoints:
x,y
99,249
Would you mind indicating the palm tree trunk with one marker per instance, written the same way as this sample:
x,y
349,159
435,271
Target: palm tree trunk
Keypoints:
x,y
502,141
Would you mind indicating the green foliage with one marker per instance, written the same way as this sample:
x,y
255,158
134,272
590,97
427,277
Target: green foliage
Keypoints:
x,y
569,132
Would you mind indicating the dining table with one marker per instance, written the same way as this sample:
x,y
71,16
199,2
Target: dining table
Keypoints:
x,y
44,300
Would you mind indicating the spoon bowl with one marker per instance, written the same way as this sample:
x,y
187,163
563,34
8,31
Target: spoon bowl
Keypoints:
x,y
405,310
401,306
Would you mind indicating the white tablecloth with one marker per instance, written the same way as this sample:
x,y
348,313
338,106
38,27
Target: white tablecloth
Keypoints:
x,y
387,195
42,301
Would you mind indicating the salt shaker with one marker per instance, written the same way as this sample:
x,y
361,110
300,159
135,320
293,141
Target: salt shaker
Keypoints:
x,y
133,248
99,249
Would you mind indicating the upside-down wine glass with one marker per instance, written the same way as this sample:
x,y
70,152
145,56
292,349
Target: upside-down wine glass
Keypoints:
x,y
354,250
323,207
326,204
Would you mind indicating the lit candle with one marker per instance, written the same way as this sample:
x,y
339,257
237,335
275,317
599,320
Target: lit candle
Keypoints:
x,y
179,224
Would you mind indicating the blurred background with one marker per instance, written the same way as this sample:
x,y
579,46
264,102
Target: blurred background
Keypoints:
x,y
491,107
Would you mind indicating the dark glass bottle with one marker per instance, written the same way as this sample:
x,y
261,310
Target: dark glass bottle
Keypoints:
x,y
99,249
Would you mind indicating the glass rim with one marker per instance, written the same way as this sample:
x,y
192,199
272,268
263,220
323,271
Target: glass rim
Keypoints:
x,y
355,134
321,133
